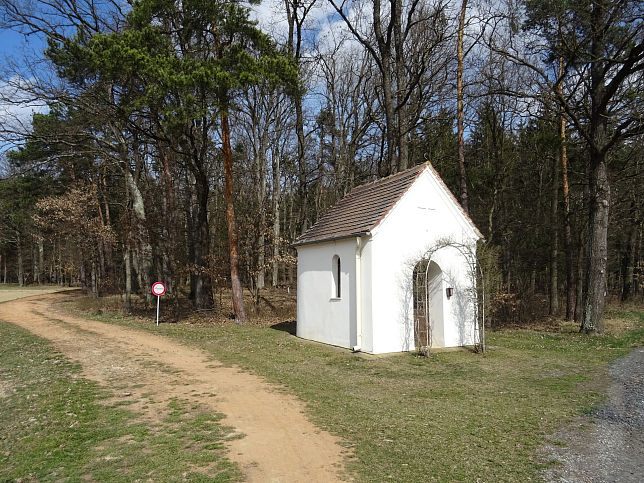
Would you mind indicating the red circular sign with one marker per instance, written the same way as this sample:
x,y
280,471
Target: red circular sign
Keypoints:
x,y
158,288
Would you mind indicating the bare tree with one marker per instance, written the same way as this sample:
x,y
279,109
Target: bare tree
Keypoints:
x,y
460,109
602,44
347,122
297,12
407,43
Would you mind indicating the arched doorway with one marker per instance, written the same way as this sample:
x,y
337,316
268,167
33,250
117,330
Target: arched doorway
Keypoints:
x,y
428,305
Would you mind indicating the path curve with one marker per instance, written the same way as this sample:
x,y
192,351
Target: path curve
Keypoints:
x,y
279,444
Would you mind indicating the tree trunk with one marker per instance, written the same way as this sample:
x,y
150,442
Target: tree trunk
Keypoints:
x,y
570,289
137,267
460,110
294,44
301,162
390,119
52,264
34,260
321,174
190,201
554,243
61,268
170,217
138,222
288,215
81,272
595,280
401,88
261,256
276,217
128,277
237,294
579,295
94,278
261,145
563,152
41,259
203,282
637,279
628,262
596,277
109,258
384,48
21,269
141,235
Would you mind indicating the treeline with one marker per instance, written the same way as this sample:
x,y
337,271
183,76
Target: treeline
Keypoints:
x,y
182,143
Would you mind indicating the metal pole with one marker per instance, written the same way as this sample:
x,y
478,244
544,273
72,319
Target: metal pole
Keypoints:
x,y
158,299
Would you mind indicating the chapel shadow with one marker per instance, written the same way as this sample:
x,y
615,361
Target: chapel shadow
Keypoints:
x,y
288,326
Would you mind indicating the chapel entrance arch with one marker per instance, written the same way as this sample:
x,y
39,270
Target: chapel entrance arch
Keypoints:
x,y
428,305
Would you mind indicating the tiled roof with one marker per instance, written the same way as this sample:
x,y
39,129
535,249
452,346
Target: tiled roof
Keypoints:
x,y
362,209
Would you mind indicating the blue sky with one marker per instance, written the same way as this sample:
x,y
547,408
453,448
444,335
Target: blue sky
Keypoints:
x,y
12,43
13,46
9,40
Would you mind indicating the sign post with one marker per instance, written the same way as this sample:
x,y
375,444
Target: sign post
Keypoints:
x,y
158,289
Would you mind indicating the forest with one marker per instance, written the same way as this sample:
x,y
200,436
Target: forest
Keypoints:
x,y
193,141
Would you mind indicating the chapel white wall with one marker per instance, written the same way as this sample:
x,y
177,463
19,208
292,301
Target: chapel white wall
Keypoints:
x,y
424,215
320,315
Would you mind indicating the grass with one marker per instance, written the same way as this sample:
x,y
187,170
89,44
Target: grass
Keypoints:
x,y
15,286
58,426
11,291
455,416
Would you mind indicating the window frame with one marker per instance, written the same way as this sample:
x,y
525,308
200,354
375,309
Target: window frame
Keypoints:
x,y
336,277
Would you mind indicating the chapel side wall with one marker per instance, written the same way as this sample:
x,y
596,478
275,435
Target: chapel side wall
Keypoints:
x,y
423,216
320,315
366,294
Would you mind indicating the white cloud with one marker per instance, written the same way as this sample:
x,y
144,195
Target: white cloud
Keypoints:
x,y
271,15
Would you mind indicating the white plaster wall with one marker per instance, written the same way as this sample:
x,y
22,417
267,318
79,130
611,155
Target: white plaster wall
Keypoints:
x,y
366,282
437,315
459,310
320,315
424,215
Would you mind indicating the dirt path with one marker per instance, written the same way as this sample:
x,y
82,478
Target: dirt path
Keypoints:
x,y
609,444
279,443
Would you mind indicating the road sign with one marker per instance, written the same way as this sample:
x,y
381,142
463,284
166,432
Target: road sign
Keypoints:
x,y
158,288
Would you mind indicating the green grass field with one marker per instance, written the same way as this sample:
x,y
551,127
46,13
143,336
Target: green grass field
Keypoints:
x,y
454,416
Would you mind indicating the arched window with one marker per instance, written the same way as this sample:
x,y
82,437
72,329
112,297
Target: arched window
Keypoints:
x,y
335,269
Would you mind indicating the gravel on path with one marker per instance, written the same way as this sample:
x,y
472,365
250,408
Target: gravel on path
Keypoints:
x,y
608,445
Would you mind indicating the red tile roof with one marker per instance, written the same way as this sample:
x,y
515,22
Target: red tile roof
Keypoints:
x,y
365,206
362,209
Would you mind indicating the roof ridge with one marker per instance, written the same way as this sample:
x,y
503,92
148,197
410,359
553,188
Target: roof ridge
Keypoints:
x,y
373,201
380,180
